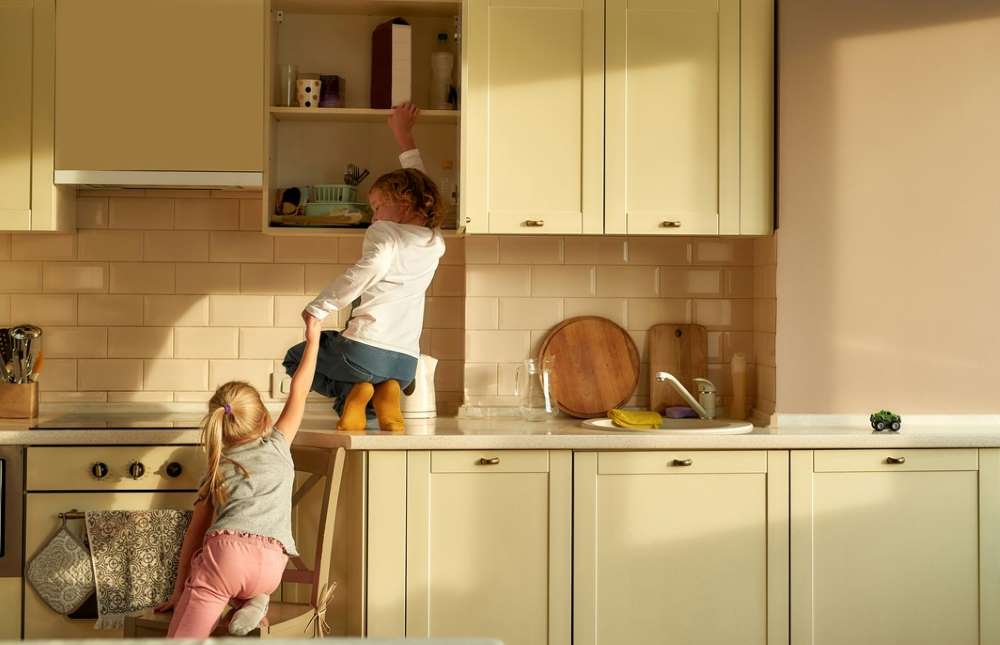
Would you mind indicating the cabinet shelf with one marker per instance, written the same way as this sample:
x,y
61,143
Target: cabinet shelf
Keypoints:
x,y
356,115
371,7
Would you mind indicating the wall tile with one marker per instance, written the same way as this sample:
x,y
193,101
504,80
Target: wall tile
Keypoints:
x,y
59,375
525,249
176,311
33,246
448,281
732,251
241,311
207,214
111,192
110,374
445,344
306,249
725,314
270,343
110,310
241,247
179,193
766,385
765,250
496,346
318,276
21,276
481,378
92,212
75,397
175,246
43,310
682,283
146,214
449,376
206,342
493,280
75,342
444,313
255,372
530,313
166,374
641,340
454,252
110,245
193,397
142,277
232,193
628,282
482,250
763,344
4,310
765,315
764,281
482,313
611,308
251,218
140,397
75,277
288,313
349,249
594,250
643,314
659,251
272,278
140,342
734,342
507,378
4,246
561,281
740,282
208,278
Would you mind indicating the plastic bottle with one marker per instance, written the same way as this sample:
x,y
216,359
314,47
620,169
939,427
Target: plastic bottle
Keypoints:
x,y
442,66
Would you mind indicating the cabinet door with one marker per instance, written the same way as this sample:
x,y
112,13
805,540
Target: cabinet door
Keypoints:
x,y
680,547
159,85
15,114
488,545
888,551
532,124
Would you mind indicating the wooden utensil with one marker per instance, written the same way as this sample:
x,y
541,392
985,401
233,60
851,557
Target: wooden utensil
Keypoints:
x,y
681,350
596,365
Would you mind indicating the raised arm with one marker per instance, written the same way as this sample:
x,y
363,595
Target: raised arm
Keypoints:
x,y
376,259
401,122
291,415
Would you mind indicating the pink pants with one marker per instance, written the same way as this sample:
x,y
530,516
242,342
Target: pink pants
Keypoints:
x,y
228,567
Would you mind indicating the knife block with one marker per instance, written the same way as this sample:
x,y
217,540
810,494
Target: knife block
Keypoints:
x,y
18,401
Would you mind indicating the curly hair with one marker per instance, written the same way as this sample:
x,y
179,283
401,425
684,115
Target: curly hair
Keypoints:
x,y
414,190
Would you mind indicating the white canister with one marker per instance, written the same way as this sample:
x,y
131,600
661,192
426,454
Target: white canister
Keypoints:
x,y
420,401
307,92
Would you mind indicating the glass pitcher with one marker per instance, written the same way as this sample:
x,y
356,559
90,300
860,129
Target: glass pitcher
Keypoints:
x,y
535,388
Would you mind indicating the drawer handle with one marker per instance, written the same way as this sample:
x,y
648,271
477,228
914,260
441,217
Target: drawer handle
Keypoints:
x,y
682,462
536,223
895,460
489,461
670,223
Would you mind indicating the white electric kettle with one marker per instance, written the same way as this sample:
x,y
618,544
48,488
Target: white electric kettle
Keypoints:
x,y
420,401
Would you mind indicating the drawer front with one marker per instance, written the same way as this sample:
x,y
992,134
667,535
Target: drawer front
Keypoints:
x,y
490,461
843,461
681,462
164,468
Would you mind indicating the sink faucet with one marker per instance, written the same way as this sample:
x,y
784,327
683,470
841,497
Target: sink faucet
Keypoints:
x,y
705,405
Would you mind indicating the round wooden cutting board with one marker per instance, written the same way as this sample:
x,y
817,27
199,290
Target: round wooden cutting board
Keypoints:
x,y
596,365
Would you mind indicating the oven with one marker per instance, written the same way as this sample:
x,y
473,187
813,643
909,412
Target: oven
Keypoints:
x,y
70,480
11,516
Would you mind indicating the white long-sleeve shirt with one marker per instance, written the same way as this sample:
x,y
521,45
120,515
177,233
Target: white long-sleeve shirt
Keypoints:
x,y
397,265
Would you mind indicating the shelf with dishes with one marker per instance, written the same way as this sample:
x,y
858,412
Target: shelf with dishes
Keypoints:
x,y
355,115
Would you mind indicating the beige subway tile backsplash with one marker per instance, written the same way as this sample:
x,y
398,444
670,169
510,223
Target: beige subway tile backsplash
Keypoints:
x,y
482,250
141,342
444,313
530,313
176,310
272,278
659,251
497,280
32,246
482,313
142,213
595,250
613,309
208,278
44,310
207,214
140,397
678,282
448,281
628,282
92,212
272,343
175,246
107,245
732,251
142,277
166,374
207,342
59,376
318,276
4,309
241,246
75,277
110,374
4,246
644,313
725,314
110,309
481,378
288,313
525,249
255,372
496,346
75,342
306,249
251,217
21,277
241,311
561,281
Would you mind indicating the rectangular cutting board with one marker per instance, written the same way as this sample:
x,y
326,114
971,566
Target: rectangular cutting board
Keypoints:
x,y
681,350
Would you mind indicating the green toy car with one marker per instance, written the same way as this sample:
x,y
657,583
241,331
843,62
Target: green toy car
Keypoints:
x,y
884,419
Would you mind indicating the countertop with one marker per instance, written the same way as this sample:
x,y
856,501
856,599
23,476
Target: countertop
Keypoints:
x,y
500,433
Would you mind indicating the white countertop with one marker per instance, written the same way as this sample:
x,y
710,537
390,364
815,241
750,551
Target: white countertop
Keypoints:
x,y
510,433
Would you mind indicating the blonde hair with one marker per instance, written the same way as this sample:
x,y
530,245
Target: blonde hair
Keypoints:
x,y
415,190
235,414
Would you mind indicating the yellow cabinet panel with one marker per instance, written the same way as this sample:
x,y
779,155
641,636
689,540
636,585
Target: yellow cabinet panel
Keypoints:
x,y
15,114
10,600
159,85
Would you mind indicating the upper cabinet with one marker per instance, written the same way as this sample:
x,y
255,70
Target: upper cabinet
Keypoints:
x,y
28,199
160,85
533,118
638,117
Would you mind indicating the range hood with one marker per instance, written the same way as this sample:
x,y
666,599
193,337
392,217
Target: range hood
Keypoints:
x,y
159,179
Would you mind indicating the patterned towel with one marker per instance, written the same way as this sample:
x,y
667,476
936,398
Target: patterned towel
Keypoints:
x,y
135,556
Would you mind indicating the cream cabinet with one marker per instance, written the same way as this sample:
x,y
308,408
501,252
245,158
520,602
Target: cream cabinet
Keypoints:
x,y
159,85
895,546
533,116
28,199
10,600
680,547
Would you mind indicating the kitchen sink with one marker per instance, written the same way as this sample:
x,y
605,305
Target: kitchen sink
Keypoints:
x,y
678,426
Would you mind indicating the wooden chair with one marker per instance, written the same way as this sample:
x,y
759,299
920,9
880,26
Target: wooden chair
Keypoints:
x,y
286,619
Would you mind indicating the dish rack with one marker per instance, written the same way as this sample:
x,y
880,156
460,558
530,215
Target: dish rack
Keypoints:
x,y
329,206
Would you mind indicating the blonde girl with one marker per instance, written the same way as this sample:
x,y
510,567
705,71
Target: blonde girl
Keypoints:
x,y
240,536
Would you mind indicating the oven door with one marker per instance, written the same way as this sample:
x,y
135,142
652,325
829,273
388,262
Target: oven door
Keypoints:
x,y
11,560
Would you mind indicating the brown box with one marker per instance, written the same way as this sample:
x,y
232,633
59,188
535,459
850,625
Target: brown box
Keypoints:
x,y
18,401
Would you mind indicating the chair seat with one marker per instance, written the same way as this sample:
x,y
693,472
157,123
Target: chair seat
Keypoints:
x,y
284,617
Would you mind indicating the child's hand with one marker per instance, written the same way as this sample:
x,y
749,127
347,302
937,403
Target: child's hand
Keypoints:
x,y
314,326
169,604
401,122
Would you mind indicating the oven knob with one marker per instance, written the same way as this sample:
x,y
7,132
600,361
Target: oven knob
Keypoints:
x,y
174,469
99,470
136,470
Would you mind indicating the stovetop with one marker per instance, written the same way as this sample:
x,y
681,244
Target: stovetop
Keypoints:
x,y
118,422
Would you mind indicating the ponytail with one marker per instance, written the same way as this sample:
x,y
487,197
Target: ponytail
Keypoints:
x,y
235,414
211,438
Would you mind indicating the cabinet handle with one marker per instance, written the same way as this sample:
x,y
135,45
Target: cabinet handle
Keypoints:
x,y
895,460
534,223
681,462
489,461
670,223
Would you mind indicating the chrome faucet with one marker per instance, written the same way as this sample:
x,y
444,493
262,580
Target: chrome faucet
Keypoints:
x,y
704,405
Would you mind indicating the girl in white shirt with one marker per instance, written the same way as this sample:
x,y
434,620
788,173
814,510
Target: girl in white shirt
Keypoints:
x,y
367,366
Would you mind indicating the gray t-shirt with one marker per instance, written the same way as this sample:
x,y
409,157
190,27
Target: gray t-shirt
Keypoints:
x,y
262,503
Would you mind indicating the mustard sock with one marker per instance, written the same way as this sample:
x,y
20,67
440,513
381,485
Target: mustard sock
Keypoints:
x,y
353,419
386,400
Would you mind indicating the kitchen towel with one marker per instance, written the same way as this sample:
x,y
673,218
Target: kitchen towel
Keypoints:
x,y
635,419
135,555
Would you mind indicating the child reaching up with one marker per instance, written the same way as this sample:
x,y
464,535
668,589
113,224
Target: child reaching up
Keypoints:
x,y
375,358
240,536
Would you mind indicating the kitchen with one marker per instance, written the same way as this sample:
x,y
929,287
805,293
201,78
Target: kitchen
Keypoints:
x,y
831,216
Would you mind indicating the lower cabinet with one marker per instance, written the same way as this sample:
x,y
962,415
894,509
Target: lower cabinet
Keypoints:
x,y
895,546
10,600
680,547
